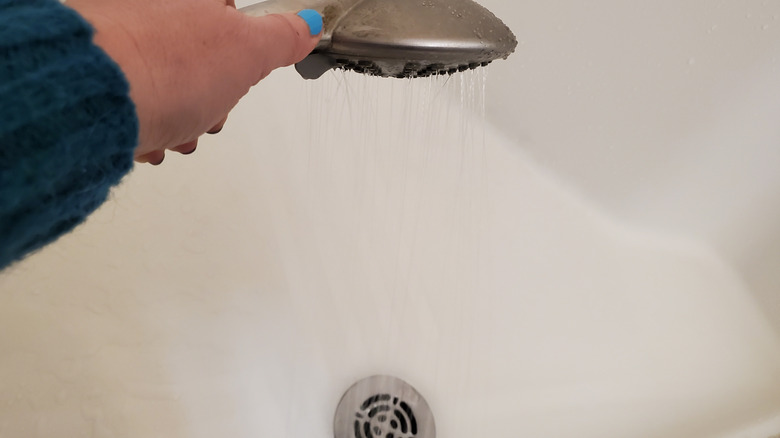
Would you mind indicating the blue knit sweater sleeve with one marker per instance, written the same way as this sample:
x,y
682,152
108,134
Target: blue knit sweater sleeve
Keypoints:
x,y
67,125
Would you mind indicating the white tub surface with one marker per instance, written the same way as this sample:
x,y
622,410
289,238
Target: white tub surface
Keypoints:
x,y
599,256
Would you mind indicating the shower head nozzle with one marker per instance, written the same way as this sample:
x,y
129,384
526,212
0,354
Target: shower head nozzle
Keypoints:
x,y
400,38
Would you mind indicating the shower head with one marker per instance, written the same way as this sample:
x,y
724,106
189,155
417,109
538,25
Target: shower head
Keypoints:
x,y
399,38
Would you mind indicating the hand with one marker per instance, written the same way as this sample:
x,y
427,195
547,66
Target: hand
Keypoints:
x,y
188,62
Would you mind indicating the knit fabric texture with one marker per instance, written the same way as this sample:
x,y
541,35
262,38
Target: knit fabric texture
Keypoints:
x,y
67,125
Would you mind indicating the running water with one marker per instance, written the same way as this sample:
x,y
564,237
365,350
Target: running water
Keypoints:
x,y
404,161
392,149
379,130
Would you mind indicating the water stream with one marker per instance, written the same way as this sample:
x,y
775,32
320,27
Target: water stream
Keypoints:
x,y
406,157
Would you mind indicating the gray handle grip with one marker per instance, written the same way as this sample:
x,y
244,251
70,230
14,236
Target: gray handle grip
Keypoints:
x,y
332,10
282,6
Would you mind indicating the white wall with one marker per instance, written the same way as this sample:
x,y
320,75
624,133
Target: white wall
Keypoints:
x,y
560,270
664,113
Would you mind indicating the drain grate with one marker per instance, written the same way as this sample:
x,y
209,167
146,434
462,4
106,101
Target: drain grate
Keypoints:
x,y
377,413
383,407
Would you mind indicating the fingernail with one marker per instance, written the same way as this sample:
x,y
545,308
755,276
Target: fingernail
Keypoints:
x,y
313,19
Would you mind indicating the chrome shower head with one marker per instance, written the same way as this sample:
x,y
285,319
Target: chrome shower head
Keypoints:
x,y
400,38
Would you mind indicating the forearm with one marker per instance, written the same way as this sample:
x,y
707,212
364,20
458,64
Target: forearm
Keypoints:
x,y
68,128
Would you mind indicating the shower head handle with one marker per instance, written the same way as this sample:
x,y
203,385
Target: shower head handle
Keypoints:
x,y
399,38
331,11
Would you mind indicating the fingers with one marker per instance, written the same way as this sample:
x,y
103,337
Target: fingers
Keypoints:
x,y
218,127
155,158
186,148
280,40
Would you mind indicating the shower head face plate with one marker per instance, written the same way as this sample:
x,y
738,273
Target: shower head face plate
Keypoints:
x,y
417,38
399,38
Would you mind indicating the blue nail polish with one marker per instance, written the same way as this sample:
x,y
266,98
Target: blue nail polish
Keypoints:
x,y
313,19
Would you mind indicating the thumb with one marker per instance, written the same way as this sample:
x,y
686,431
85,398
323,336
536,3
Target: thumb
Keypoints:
x,y
279,40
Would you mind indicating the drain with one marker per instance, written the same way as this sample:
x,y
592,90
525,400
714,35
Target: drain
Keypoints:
x,y
383,407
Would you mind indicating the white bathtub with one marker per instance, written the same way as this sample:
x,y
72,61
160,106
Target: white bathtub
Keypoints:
x,y
599,258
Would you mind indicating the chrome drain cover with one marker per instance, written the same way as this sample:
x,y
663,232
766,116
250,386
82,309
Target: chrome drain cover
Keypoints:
x,y
383,407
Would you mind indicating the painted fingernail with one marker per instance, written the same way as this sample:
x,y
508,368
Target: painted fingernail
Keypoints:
x,y
313,19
